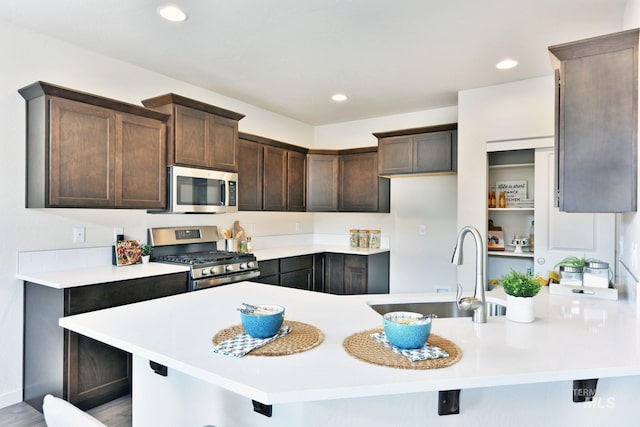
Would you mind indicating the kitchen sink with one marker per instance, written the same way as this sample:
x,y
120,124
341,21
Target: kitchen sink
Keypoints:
x,y
439,308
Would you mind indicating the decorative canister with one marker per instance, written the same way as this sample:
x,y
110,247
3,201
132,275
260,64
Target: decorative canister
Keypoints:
x,y
570,275
364,238
374,239
354,238
596,274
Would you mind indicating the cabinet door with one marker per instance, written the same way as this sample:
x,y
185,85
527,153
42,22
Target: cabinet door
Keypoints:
x,y
274,179
140,162
322,187
250,163
358,183
95,373
395,155
81,155
597,124
191,142
300,279
434,152
296,181
334,273
355,274
223,134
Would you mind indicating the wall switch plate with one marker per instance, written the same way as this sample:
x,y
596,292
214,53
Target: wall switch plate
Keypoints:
x,y
422,229
297,227
78,235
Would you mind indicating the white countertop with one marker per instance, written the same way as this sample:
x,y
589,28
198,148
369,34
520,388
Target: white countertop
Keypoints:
x,y
571,338
289,251
69,278
62,279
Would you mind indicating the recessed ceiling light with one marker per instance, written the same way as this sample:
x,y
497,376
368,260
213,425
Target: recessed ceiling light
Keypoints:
x,y
505,64
172,13
339,97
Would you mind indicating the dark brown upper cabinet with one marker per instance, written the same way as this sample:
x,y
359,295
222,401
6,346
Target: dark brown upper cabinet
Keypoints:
x,y
322,178
346,181
87,151
423,150
271,175
361,189
200,134
596,123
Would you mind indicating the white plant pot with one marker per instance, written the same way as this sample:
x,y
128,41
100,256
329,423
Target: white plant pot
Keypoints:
x,y
520,309
145,258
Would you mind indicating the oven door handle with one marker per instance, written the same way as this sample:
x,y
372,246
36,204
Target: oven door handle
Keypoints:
x,y
224,280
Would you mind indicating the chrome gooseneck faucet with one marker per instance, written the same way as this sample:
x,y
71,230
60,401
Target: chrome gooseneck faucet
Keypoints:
x,y
476,303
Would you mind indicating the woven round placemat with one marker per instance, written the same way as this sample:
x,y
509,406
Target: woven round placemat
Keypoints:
x,y
301,338
361,346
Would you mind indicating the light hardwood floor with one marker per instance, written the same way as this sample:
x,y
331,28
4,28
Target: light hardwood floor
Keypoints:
x,y
116,413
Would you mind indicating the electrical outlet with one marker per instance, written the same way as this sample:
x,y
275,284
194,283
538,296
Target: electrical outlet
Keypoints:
x,y
78,235
117,231
422,229
252,229
442,290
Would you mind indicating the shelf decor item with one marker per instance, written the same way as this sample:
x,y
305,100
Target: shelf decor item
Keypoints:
x,y
520,289
495,240
514,192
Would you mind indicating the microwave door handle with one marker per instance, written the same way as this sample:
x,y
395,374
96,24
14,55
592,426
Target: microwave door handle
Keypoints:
x,y
223,195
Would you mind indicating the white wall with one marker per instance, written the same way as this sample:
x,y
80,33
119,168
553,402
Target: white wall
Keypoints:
x,y
418,263
521,109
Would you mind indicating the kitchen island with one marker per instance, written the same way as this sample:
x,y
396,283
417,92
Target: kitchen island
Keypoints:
x,y
507,369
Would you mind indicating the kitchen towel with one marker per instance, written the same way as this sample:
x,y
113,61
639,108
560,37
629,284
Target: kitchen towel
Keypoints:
x,y
242,344
427,351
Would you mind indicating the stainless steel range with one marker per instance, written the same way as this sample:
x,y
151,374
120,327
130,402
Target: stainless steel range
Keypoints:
x,y
197,247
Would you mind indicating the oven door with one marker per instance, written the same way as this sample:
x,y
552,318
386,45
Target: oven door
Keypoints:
x,y
193,190
209,282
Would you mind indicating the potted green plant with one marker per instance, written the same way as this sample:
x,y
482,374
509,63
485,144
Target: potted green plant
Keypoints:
x,y
146,253
520,289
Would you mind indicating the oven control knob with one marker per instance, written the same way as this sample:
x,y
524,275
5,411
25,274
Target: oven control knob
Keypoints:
x,y
205,271
229,268
243,266
251,264
217,270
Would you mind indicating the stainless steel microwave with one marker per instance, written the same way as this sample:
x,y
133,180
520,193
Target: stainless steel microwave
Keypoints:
x,y
193,190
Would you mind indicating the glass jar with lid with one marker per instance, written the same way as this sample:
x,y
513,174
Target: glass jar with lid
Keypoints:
x,y
364,238
354,237
571,276
374,239
596,274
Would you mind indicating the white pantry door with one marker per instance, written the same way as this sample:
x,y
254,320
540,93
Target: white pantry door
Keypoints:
x,y
561,234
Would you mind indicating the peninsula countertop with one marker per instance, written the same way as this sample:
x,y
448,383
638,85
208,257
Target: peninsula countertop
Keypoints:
x,y
571,338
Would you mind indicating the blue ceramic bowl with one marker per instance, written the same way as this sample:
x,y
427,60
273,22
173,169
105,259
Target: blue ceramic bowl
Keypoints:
x,y
404,330
264,322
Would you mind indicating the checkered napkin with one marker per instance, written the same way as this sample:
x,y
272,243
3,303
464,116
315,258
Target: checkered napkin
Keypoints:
x,y
427,351
243,343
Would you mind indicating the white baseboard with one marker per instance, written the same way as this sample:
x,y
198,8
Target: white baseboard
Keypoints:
x,y
10,398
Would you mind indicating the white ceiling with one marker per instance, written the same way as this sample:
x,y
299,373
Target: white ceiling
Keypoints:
x,y
290,56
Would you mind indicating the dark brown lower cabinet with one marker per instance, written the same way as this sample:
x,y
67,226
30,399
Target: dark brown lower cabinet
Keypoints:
x,y
292,272
334,273
348,274
79,369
